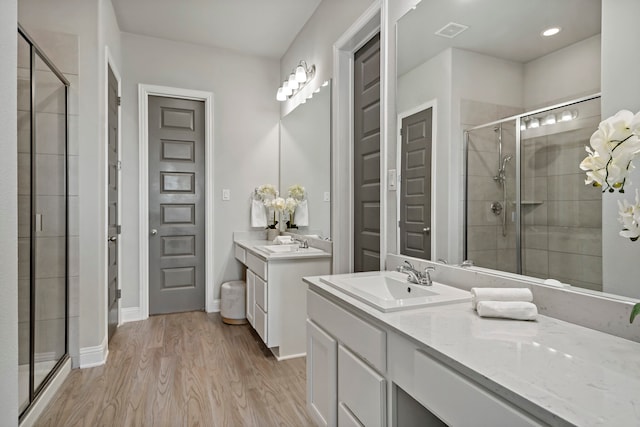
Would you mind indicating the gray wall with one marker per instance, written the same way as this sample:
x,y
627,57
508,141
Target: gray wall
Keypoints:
x,y
8,214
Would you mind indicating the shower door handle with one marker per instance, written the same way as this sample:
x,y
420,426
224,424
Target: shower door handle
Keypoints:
x,y
112,239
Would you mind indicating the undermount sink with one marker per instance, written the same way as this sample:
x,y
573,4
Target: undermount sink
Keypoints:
x,y
390,291
283,249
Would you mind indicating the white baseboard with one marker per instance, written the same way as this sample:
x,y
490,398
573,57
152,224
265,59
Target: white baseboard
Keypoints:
x,y
94,356
215,306
45,397
130,314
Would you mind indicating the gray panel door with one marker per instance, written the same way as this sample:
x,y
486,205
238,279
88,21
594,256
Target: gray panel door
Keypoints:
x,y
366,166
112,205
176,205
415,197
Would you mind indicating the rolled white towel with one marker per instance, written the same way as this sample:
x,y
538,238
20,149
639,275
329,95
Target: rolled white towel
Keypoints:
x,y
500,294
518,310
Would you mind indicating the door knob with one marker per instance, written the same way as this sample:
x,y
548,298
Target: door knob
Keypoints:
x,y
154,231
112,238
426,229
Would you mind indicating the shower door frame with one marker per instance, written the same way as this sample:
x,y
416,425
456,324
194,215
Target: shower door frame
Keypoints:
x,y
518,122
36,51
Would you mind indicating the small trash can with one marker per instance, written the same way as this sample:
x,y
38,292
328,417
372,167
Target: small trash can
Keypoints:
x,y
232,304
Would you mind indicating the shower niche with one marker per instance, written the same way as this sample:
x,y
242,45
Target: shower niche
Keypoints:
x,y
43,223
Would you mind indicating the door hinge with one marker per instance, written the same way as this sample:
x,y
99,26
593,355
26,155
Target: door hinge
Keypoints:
x,y
118,293
119,101
400,131
119,165
118,229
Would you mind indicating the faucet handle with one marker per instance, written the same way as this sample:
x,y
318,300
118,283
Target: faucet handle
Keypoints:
x,y
408,264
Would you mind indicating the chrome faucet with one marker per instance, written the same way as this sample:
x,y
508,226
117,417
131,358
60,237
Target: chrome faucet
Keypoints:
x,y
415,276
303,243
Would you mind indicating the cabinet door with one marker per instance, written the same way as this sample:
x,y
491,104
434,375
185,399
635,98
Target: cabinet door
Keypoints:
x,y
361,389
346,418
251,281
322,357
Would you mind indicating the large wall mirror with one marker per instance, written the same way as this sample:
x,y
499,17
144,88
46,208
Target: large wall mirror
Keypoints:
x,y
305,158
511,111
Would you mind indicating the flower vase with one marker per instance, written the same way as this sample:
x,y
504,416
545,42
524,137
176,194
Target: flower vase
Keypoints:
x,y
272,233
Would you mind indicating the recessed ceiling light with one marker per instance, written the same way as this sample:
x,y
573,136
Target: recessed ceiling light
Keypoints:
x,y
551,31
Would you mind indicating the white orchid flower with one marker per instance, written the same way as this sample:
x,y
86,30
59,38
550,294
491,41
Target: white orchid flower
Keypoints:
x,y
279,204
629,217
291,204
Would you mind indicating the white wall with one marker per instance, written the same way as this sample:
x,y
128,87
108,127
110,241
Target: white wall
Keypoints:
x,y
563,75
245,138
8,214
314,44
620,90
431,81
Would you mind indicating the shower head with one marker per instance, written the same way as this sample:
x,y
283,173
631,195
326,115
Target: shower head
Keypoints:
x,y
505,160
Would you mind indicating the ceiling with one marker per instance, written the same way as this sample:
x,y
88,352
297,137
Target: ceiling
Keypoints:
x,y
255,27
508,29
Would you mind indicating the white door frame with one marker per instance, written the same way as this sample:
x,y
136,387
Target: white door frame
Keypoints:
x,y
144,91
342,209
110,63
434,176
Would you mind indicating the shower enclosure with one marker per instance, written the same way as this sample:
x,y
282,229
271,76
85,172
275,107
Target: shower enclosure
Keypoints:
x,y
42,220
527,209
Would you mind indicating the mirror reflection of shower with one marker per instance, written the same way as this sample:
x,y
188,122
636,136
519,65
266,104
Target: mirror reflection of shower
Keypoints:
x,y
500,208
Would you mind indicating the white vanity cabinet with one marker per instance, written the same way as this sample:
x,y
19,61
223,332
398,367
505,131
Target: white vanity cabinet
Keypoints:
x,y
346,361
276,296
351,360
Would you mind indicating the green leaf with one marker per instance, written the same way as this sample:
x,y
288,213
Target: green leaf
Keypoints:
x,y
634,312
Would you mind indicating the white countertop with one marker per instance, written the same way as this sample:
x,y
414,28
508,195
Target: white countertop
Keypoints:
x,y
562,373
253,246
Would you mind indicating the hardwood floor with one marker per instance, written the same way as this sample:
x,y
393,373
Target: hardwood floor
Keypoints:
x,y
186,369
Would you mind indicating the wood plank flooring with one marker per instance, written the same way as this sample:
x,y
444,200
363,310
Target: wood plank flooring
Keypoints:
x,y
186,369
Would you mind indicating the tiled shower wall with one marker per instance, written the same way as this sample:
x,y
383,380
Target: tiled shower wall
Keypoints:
x,y
561,217
62,49
487,245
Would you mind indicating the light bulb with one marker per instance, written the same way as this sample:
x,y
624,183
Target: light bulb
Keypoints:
x,y
280,96
293,83
550,119
534,123
301,74
287,89
566,116
523,125
551,31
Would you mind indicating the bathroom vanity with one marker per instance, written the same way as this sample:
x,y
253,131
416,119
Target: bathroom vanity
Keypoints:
x,y
276,295
444,365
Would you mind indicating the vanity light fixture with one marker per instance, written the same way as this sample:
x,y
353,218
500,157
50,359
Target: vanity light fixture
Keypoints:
x,y
299,78
551,31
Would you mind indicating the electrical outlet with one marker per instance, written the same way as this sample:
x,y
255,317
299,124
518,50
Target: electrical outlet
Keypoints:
x,y
327,196
226,194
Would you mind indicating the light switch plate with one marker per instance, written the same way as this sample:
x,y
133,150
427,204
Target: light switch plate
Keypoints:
x,y
392,180
327,196
226,194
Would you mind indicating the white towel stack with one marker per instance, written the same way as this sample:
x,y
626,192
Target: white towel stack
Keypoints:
x,y
302,214
507,303
258,214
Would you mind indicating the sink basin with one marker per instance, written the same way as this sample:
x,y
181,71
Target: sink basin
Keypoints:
x,y
285,249
389,291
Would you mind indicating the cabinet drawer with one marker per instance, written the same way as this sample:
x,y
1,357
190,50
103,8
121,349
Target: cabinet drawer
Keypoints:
x,y
361,389
241,253
261,293
257,265
361,337
260,323
435,384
